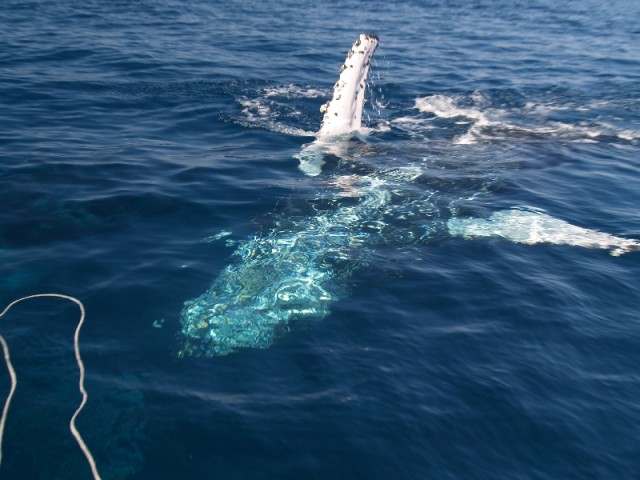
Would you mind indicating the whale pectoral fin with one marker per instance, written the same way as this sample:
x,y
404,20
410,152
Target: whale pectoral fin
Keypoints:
x,y
532,227
343,113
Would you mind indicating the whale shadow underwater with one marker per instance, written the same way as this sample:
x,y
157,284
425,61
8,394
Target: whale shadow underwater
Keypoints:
x,y
296,270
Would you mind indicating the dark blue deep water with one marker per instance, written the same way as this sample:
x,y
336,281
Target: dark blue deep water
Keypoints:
x,y
141,142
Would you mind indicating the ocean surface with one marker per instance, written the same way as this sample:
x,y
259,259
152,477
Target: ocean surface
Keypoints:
x,y
142,143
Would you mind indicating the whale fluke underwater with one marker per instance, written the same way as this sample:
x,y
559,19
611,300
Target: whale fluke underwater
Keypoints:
x,y
296,270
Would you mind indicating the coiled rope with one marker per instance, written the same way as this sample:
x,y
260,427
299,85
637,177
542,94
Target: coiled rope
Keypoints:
x,y
14,379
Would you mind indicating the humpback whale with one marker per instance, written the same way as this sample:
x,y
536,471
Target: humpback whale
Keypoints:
x,y
297,268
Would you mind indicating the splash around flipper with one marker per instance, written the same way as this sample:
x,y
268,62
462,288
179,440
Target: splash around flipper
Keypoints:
x,y
532,227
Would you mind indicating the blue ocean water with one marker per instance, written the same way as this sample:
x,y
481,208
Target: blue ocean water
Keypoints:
x,y
143,142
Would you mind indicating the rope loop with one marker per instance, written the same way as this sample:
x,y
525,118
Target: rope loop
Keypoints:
x,y
85,396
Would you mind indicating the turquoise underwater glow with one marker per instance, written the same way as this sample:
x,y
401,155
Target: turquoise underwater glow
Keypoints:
x,y
293,273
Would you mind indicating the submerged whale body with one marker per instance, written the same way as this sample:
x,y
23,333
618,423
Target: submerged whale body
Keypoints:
x,y
294,271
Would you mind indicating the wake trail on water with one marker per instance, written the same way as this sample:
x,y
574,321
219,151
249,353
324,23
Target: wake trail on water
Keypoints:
x,y
486,122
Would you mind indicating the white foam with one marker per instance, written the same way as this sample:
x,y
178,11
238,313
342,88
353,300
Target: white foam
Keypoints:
x,y
294,91
447,107
443,106
380,127
467,139
257,112
629,135
486,123
254,109
413,126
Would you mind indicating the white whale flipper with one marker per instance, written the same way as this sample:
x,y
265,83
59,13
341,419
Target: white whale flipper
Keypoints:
x,y
343,113
532,227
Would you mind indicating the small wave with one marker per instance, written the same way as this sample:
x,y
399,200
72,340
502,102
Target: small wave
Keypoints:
x,y
379,127
629,135
413,126
448,107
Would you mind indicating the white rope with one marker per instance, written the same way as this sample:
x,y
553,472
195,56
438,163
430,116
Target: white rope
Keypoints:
x,y
14,382
85,396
